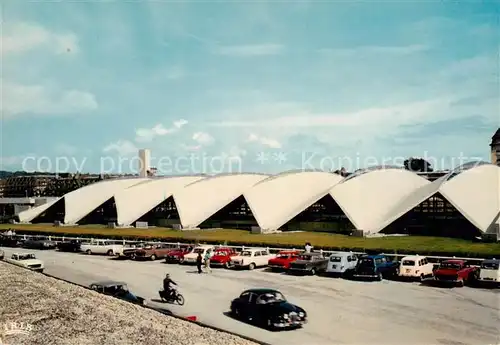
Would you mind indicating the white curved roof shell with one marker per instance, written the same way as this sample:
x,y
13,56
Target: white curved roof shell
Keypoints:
x,y
135,201
277,199
202,199
366,198
476,194
28,215
82,201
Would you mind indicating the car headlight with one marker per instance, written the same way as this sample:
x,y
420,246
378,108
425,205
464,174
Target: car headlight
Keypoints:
x,y
285,316
301,314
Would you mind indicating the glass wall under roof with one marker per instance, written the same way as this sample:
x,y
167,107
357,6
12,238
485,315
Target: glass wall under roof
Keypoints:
x,y
464,167
373,168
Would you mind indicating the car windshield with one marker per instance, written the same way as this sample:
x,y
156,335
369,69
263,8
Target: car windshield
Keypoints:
x,y
305,257
284,256
246,253
490,265
199,250
270,297
27,256
450,265
221,253
408,263
335,259
366,262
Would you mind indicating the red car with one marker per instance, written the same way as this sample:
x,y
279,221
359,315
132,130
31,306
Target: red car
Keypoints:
x,y
283,260
455,272
222,257
177,255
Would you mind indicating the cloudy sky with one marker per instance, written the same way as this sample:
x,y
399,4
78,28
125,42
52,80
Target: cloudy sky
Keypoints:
x,y
273,86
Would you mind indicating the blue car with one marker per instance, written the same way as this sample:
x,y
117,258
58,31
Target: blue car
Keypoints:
x,y
118,290
376,267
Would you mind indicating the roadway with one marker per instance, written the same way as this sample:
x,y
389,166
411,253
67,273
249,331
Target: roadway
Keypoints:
x,y
340,311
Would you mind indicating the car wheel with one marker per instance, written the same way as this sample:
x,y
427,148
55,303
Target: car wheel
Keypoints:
x,y
88,252
235,312
132,256
270,325
380,277
153,257
227,265
181,260
422,278
251,266
110,252
461,283
313,271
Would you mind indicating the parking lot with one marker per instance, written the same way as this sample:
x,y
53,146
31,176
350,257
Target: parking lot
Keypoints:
x,y
340,311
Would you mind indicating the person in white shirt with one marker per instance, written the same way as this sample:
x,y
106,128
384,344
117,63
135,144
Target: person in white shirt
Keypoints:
x,y
308,247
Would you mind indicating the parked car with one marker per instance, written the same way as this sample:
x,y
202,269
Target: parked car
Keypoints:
x,y
415,267
152,252
457,272
252,258
309,263
376,267
130,249
69,246
118,290
267,308
190,258
283,260
222,257
8,241
490,272
342,263
26,260
101,247
35,243
177,255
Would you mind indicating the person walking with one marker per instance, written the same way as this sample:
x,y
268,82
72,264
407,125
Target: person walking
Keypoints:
x,y
308,247
208,255
199,261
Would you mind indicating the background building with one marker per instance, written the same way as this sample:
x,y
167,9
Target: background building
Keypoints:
x,y
495,148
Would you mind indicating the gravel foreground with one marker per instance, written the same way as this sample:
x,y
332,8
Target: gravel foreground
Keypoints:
x,y
62,313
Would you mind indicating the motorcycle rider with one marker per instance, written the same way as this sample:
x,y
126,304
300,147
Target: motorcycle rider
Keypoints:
x,y
167,288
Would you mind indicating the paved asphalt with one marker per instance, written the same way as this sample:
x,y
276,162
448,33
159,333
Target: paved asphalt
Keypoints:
x,y
340,311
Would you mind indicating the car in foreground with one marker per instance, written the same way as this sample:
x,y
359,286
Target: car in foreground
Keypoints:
x,y
490,272
267,308
252,258
415,267
177,255
69,246
26,260
283,260
342,263
222,257
101,247
41,244
375,267
456,272
190,258
308,263
118,290
152,252
2,254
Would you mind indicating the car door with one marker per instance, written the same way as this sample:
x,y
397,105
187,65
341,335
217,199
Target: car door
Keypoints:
x,y
243,304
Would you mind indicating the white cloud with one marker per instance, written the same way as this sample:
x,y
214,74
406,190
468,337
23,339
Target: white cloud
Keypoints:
x,y
122,147
388,50
22,37
203,138
44,100
148,134
269,142
249,50
11,160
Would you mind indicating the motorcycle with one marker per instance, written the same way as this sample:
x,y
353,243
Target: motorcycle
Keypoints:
x,y
175,296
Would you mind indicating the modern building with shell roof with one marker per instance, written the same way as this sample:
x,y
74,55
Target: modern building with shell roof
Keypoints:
x,y
463,203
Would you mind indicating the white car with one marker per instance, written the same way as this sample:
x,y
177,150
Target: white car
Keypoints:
x,y
26,260
251,258
341,263
415,267
191,257
102,247
490,271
